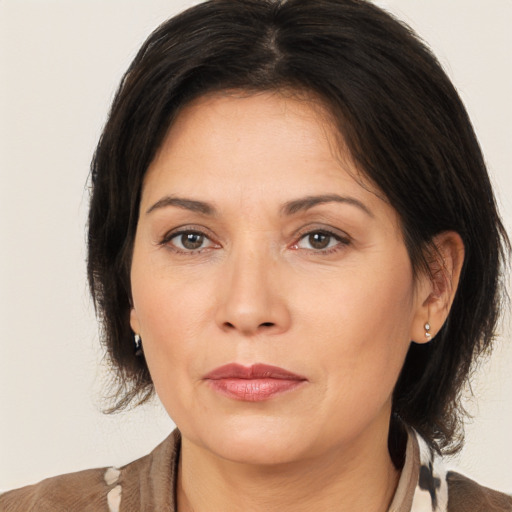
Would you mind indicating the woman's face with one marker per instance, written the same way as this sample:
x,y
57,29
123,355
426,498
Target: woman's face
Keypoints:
x,y
256,246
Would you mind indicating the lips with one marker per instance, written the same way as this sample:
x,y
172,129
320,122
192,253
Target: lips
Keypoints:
x,y
254,383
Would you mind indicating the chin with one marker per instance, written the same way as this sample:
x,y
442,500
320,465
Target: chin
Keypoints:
x,y
266,442
258,451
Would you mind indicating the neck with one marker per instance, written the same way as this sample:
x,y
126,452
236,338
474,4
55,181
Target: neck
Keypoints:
x,y
361,477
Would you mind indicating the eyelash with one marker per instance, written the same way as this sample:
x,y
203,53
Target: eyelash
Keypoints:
x,y
341,241
166,241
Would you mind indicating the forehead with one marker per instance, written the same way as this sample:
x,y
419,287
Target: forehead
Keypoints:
x,y
249,157
231,119
254,137
254,148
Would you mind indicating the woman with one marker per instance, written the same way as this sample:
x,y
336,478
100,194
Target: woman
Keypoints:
x,y
284,197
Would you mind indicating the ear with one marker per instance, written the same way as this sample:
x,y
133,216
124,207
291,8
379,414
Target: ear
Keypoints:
x,y
436,288
134,321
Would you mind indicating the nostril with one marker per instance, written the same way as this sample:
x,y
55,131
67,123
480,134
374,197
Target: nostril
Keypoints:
x,y
247,328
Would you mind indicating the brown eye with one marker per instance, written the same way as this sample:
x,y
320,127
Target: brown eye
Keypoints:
x,y
190,241
319,240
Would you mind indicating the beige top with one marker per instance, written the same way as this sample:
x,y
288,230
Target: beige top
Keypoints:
x,y
149,485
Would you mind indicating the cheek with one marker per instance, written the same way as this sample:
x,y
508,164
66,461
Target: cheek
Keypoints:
x,y
363,322
165,297
171,314
169,328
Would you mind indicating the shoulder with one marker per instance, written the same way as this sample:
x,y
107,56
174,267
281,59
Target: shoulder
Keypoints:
x,y
465,495
146,480
84,490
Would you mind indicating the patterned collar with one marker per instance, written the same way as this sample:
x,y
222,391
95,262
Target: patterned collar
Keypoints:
x,y
423,485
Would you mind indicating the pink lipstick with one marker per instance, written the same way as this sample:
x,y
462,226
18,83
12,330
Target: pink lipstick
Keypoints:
x,y
254,383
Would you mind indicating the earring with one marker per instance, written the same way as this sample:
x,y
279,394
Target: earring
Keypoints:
x,y
427,331
138,345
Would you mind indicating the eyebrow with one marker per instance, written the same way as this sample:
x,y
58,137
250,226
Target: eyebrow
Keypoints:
x,y
305,203
289,208
185,204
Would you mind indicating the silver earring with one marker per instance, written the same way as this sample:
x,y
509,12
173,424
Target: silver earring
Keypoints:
x,y
138,344
427,331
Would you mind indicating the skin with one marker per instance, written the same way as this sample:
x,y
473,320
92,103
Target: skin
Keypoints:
x,y
258,290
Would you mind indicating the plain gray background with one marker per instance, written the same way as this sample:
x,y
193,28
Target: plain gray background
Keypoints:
x,y
60,62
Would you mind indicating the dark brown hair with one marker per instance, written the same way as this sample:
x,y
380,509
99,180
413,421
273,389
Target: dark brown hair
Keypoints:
x,y
402,121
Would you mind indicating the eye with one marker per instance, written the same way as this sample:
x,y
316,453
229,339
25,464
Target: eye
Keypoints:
x,y
189,241
319,241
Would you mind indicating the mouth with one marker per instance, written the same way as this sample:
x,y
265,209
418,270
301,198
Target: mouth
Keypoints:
x,y
255,383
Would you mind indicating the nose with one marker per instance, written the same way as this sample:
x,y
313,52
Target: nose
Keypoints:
x,y
251,298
